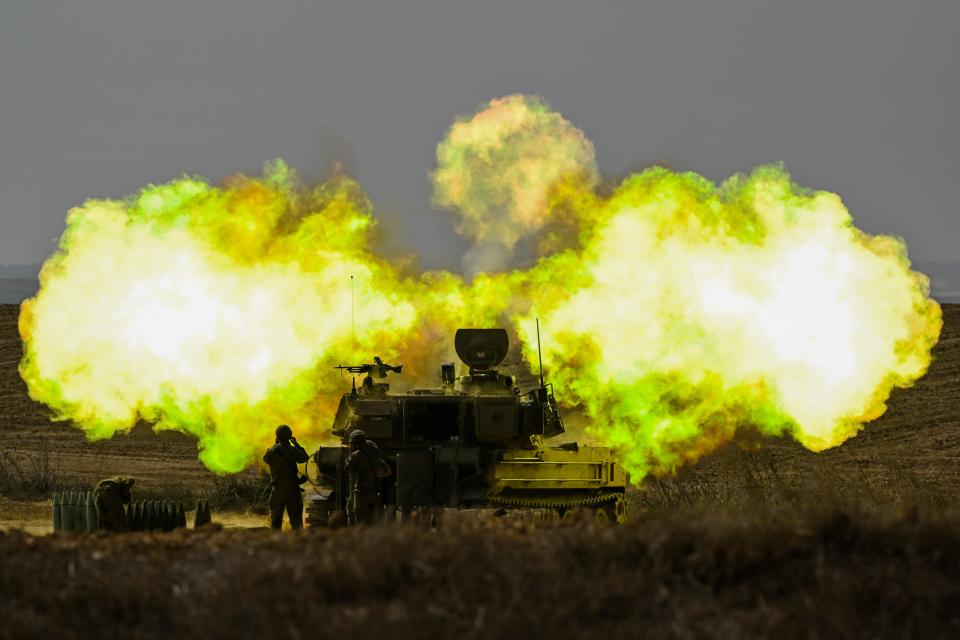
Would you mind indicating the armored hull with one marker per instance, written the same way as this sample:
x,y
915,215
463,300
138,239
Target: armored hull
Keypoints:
x,y
472,442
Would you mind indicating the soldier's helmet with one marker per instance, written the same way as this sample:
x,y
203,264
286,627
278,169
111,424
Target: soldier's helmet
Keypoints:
x,y
357,436
120,481
284,433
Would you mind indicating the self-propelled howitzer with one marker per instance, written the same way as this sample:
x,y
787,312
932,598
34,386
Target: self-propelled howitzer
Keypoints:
x,y
472,442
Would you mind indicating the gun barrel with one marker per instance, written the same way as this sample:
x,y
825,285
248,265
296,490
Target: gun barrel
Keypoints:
x,y
363,368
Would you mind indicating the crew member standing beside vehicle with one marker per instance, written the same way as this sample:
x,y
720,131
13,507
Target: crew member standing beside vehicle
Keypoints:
x,y
283,458
364,466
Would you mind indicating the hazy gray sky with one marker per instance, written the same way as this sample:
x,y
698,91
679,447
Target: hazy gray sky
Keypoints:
x,y
98,98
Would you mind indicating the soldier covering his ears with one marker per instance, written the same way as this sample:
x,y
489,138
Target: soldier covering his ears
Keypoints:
x,y
283,458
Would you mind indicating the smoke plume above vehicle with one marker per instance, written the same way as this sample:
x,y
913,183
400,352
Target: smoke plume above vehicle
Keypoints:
x,y
496,170
676,311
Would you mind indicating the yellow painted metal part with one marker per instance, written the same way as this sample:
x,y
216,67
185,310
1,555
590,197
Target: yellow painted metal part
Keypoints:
x,y
561,469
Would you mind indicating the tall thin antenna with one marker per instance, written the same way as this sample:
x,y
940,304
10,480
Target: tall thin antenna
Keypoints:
x,y
539,354
353,325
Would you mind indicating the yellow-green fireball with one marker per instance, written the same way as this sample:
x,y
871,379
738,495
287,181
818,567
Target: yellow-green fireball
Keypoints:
x,y
675,310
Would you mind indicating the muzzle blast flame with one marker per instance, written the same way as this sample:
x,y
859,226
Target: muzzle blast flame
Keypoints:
x,y
675,311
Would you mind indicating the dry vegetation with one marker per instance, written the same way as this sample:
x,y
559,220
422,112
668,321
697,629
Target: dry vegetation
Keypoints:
x,y
755,541
812,575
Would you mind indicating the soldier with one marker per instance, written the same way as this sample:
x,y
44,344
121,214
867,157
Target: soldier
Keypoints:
x,y
364,466
283,458
110,496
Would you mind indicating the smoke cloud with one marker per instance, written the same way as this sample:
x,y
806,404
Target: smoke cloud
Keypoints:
x,y
497,168
675,311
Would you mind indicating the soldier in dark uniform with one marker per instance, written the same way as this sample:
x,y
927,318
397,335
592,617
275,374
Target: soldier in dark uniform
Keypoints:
x,y
110,496
283,458
364,466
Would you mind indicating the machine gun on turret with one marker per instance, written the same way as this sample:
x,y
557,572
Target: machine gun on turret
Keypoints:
x,y
375,380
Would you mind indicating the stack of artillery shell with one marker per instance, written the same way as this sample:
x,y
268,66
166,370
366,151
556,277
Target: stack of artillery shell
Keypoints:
x,y
71,516
169,516
68,511
57,522
136,518
143,517
202,515
155,515
90,506
77,512
74,511
155,522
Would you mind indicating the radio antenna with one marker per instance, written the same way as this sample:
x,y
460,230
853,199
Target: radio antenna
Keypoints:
x,y
539,354
353,325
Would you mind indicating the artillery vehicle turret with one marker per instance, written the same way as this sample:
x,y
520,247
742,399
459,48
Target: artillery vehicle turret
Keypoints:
x,y
471,442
